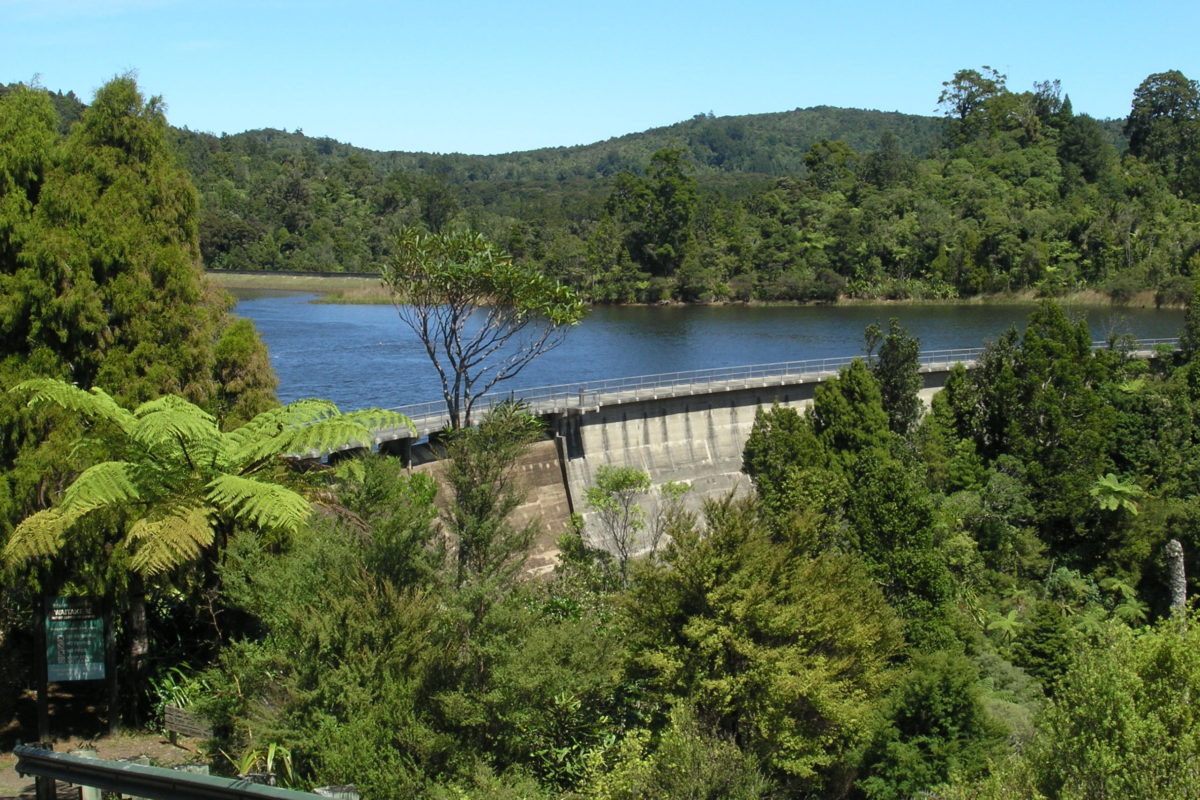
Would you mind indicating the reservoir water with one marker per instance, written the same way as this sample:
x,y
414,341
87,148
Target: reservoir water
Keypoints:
x,y
363,355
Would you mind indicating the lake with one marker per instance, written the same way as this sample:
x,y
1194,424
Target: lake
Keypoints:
x,y
363,355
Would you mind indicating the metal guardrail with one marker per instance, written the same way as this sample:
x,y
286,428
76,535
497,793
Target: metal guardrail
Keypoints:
x,y
151,782
432,416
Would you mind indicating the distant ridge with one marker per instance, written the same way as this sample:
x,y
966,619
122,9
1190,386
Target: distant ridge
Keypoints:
x,y
764,144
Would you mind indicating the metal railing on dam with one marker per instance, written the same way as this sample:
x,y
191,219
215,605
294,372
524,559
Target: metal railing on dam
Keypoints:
x,y
431,416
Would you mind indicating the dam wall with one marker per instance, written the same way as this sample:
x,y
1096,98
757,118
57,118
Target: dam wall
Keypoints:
x,y
695,439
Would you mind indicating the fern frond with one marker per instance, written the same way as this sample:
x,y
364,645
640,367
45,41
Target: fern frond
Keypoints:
x,y
171,402
264,505
301,412
323,437
188,432
355,429
95,404
379,419
161,544
259,438
38,536
111,483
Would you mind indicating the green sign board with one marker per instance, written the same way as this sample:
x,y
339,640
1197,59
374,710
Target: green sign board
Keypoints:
x,y
74,640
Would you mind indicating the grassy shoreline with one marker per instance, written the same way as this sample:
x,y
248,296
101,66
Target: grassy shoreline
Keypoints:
x,y
356,290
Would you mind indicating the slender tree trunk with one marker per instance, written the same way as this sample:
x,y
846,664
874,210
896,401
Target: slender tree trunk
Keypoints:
x,y
139,647
41,683
1178,578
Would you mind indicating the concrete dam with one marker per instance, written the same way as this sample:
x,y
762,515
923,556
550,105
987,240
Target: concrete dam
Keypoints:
x,y
686,427
683,427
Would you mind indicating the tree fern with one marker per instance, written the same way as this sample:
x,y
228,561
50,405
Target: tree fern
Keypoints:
x,y
38,536
301,412
160,545
171,402
260,438
95,404
176,427
264,505
378,419
312,428
327,435
179,475
105,485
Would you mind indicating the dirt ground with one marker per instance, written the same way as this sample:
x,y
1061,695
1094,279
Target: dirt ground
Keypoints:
x,y
76,721
122,745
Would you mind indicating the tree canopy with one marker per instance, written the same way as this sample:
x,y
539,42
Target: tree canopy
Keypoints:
x,y
481,318
1010,190
101,282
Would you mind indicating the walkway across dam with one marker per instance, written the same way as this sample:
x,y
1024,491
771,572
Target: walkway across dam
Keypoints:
x,y
431,417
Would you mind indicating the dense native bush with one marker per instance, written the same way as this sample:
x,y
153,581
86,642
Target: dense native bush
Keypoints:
x,y
903,598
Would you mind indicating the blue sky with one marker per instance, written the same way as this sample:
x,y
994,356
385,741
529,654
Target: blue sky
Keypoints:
x,y
490,77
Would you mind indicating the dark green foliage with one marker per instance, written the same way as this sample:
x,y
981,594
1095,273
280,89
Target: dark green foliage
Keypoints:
x,y
967,98
100,274
337,676
775,648
245,383
657,213
1040,399
896,371
889,165
1061,421
1020,524
394,510
1038,205
890,515
936,730
480,475
101,286
531,689
373,669
831,165
1085,150
1164,127
780,441
847,414
1122,724
1046,644
1189,337
999,517
1027,195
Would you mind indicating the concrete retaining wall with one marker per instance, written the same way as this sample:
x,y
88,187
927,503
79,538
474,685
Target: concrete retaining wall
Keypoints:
x,y
538,474
697,440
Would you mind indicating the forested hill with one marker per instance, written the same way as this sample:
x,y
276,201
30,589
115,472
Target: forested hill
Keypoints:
x,y
768,144
1008,190
283,200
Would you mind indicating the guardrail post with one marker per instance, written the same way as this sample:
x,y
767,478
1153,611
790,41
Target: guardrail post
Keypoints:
x,y
43,786
87,792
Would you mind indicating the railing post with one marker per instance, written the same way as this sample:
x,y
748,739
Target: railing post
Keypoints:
x,y
44,787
